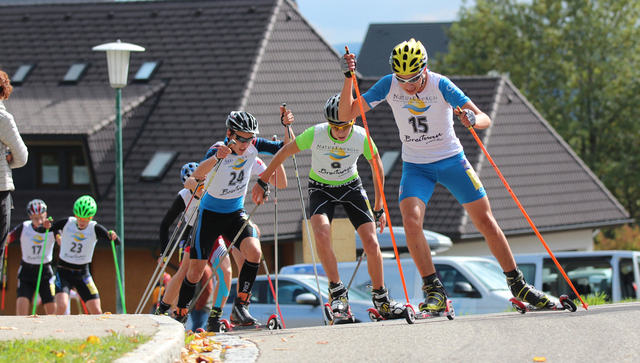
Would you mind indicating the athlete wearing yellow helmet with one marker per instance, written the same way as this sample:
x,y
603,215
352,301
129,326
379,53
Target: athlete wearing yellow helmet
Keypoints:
x,y
423,104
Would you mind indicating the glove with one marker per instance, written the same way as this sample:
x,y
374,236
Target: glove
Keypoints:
x,y
377,214
265,187
471,116
345,67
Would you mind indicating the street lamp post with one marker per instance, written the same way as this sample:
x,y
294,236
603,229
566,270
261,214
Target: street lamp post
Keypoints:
x,y
118,63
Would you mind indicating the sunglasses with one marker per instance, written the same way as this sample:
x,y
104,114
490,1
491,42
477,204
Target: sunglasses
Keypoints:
x,y
413,79
84,219
244,139
340,128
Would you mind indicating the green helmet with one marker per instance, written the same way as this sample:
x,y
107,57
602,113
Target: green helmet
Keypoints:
x,y
85,207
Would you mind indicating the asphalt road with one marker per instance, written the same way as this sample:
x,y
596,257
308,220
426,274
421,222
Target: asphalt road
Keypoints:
x,y
606,333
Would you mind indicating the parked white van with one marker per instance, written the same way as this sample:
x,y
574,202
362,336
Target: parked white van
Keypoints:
x,y
615,273
475,285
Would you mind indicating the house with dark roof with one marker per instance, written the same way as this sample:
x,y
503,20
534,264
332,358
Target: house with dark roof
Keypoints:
x,y
206,58
373,59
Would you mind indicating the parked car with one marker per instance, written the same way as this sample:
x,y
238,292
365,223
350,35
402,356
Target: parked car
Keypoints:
x,y
614,273
298,299
437,242
475,285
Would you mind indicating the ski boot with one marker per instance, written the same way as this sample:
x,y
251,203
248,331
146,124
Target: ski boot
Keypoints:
x,y
240,313
213,323
436,301
338,307
385,307
181,315
527,293
161,311
435,305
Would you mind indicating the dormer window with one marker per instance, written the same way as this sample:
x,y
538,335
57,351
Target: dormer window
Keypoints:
x,y
75,73
22,74
146,71
158,165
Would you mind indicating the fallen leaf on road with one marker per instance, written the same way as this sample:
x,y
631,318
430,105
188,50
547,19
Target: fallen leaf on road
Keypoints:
x,y
322,342
58,331
130,326
284,340
539,359
7,328
26,333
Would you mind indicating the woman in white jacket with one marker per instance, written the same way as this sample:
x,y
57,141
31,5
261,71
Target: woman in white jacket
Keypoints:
x,y
16,157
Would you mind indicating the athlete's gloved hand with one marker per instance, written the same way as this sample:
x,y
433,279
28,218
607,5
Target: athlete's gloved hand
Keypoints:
x,y
470,116
260,192
380,218
286,116
348,64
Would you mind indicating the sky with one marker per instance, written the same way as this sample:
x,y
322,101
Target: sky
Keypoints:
x,y
347,21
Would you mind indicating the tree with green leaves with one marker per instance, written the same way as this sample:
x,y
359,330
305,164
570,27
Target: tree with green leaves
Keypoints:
x,y
578,63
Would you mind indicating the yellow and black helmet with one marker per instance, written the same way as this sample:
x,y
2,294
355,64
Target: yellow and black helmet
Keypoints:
x,y
408,58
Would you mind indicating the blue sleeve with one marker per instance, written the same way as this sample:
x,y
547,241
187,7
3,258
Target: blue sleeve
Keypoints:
x,y
378,92
452,94
212,151
265,146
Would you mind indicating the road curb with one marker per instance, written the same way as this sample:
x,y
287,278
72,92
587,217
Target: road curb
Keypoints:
x,y
165,346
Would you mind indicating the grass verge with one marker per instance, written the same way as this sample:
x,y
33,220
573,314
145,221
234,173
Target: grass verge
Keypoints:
x,y
93,349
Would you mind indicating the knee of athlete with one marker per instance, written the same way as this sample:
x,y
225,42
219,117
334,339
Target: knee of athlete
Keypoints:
x,y
371,247
323,237
412,225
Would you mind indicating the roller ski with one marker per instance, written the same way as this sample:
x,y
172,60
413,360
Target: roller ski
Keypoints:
x,y
565,303
240,318
527,298
385,307
338,309
435,305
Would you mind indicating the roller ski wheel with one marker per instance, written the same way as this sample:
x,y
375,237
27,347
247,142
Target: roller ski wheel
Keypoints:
x,y
565,304
336,317
410,314
449,312
274,323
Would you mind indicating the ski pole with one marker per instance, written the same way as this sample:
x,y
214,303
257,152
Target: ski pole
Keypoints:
x,y
154,278
115,261
44,251
379,179
162,267
266,269
226,253
513,195
275,237
4,274
306,221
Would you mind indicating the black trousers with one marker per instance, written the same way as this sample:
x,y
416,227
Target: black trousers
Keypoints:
x,y
6,205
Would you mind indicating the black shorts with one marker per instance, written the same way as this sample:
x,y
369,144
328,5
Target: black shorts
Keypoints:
x,y
212,225
28,279
81,280
323,199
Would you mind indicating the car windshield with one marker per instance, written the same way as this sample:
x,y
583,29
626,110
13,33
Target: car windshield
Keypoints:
x,y
324,286
489,273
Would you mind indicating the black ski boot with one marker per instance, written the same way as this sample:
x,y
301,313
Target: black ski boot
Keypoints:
x,y
436,301
213,323
339,298
525,292
240,312
386,306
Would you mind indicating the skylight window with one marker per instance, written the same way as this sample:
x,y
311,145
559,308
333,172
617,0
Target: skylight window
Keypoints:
x,y
146,71
22,73
158,165
75,72
389,159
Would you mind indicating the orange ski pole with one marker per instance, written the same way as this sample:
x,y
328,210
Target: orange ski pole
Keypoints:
x,y
504,181
379,179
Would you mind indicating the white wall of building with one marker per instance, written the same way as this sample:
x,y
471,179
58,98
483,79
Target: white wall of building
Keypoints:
x,y
576,240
